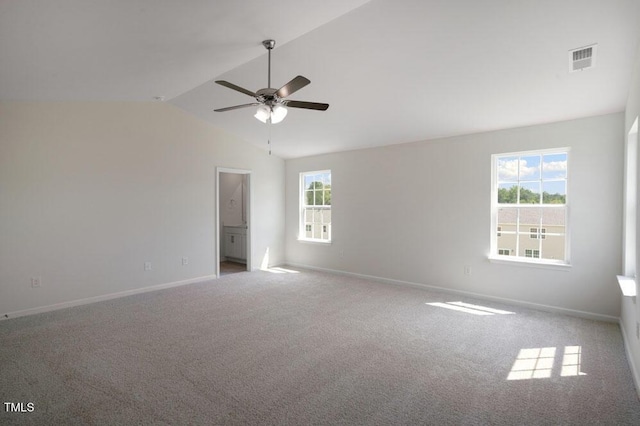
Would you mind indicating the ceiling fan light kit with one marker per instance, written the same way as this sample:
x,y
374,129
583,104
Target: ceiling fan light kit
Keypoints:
x,y
271,103
274,115
263,113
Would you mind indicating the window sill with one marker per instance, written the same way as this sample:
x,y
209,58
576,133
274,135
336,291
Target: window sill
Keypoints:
x,y
530,264
627,286
320,242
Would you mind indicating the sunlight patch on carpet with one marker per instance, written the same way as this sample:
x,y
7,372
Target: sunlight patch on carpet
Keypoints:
x,y
278,270
571,361
538,363
470,308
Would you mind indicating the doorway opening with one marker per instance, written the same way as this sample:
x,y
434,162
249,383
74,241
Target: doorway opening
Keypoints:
x,y
233,219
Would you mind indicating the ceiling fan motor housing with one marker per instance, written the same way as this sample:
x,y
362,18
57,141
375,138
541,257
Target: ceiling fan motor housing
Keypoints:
x,y
268,97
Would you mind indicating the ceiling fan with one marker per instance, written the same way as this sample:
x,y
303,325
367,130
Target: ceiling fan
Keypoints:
x,y
271,103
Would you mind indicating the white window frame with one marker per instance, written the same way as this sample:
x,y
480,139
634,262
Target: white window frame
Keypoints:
x,y
494,257
629,283
630,201
302,204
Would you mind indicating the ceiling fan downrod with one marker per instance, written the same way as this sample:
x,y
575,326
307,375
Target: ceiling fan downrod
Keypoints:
x,y
269,45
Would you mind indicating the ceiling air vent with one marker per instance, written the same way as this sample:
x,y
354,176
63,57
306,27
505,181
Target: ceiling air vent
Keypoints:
x,y
582,58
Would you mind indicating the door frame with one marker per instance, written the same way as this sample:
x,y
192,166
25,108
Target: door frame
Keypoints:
x,y
249,199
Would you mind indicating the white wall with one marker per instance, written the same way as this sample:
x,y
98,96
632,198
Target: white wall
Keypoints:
x,y
90,191
420,212
630,315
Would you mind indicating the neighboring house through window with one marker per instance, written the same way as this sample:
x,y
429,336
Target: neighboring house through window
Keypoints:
x,y
529,206
315,206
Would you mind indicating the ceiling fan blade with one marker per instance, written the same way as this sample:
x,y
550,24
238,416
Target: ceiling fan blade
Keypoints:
x,y
236,107
307,105
236,88
293,86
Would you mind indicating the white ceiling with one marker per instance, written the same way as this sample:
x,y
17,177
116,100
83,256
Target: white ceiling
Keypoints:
x,y
393,71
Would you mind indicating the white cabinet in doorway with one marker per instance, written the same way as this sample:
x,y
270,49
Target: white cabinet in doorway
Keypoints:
x,y
235,243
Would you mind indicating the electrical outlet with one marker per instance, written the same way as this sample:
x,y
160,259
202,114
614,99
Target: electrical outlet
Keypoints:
x,y
467,270
147,266
185,261
36,282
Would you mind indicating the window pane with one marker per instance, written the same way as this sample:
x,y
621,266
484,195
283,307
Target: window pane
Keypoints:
x,y
553,220
554,192
308,180
527,245
326,216
530,167
309,199
553,247
508,193
530,193
327,197
554,166
508,169
507,219
529,218
508,242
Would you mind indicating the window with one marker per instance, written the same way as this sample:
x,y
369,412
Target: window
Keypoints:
x,y
315,206
534,233
529,206
532,253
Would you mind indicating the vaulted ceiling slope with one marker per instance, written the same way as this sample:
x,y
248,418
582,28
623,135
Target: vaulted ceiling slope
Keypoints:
x,y
393,71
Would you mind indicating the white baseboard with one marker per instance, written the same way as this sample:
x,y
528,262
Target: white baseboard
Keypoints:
x,y
87,300
634,369
547,308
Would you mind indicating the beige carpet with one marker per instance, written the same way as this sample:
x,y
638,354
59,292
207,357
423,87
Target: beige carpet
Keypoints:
x,y
312,348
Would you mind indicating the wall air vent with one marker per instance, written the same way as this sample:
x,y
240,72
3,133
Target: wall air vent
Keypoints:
x,y
582,58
